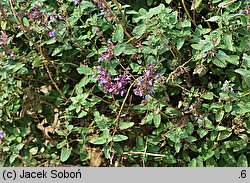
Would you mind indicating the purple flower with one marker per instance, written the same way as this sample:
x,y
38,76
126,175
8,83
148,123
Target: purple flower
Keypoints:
x,y
115,86
231,90
1,135
224,88
248,44
107,53
76,2
52,34
101,12
145,85
196,118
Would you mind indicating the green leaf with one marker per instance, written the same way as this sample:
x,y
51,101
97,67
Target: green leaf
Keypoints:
x,y
219,115
243,72
242,161
208,96
19,146
196,4
84,70
224,135
157,120
33,150
234,59
207,154
13,157
213,19
98,141
239,145
140,143
177,147
139,30
51,41
125,125
185,156
118,34
192,163
118,138
61,144
180,43
169,159
149,2
191,139
26,22
168,1
228,40
107,152
65,154
213,135
219,63
56,51
202,132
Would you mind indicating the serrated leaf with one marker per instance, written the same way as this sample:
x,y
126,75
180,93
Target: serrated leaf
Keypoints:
x,y
125,125
118,138
118,34
208,96
65,154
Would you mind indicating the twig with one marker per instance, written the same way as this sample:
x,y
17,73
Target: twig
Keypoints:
x,y
185,8
177,70
55,85
143,153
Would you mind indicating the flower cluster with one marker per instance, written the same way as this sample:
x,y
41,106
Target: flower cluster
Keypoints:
x,y
227,87
103,7
4,44
145,85
3,39
115,85
108,53
42,19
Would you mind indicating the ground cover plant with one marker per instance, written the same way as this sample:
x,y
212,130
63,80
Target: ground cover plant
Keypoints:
x,y
125,83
